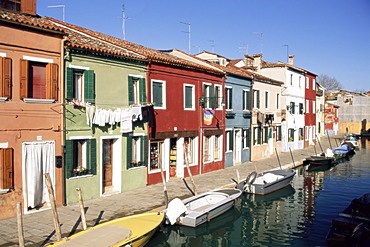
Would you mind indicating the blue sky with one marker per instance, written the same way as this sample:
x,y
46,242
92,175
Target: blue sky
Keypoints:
x,y
329,37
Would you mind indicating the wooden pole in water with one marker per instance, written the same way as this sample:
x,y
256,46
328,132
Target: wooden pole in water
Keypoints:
x,y
278,158
82,208
319,143
163,181
291,156
54,211
329,140
188,168
314,147
20,224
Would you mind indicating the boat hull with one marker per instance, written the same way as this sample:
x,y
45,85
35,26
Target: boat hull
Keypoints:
x,y
135,231
259,187
207,206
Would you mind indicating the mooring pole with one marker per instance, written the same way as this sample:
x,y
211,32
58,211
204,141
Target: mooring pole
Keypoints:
x,y
54,211
291,154
20,224
278,158
82,208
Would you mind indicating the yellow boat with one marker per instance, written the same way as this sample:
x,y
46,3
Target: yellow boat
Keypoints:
x,y
133,231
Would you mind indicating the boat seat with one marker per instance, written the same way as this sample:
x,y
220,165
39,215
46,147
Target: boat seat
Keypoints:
x,y
100,237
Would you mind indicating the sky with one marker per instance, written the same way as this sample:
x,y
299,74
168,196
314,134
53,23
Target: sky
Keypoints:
x,y
327,37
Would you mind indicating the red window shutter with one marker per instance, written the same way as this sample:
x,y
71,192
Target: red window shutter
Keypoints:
x,y
6,168
23,79
28,7
52,81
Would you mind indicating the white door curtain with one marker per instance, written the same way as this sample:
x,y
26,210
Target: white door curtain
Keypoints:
x,y
38,158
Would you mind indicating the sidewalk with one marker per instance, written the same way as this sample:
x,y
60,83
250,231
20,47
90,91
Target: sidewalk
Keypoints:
x,y
39,229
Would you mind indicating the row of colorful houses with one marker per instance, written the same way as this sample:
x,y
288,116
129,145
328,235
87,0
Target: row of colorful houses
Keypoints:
x,y
108,115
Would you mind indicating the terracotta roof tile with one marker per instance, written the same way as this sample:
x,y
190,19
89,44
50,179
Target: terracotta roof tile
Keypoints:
x,y
32,21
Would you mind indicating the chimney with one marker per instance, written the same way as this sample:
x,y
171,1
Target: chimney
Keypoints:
x,y
257,61
291,60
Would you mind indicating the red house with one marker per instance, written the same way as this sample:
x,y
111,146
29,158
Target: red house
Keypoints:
x,y
187,125
310,109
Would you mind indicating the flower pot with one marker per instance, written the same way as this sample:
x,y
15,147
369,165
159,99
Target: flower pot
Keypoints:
x,y
172,171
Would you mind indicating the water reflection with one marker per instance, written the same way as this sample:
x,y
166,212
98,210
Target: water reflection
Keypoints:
x,y
298,215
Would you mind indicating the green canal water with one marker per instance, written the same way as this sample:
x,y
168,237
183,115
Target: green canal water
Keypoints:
x,y
298,215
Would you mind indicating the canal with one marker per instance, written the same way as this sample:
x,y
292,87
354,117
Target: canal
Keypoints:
x,y
298,215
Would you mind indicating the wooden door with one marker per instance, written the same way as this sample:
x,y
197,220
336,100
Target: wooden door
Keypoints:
x,y
107,162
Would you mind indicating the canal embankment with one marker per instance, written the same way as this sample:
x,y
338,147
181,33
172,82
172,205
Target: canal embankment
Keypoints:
x,y
38,226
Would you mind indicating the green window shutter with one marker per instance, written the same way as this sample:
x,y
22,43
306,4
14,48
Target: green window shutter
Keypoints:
x,y
142,87
231,98
231,140
259,134
91,155
258,99
68,159
188,97
157,94
130,90
69,86
129,152
89,86
144,148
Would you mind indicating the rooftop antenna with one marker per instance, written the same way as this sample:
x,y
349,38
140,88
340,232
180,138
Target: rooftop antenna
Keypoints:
x,y
124,18
287,53
59,6
261,39
188,32
198,47
213,45
244,47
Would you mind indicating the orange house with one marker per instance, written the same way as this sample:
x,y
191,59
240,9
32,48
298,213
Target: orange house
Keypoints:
x,y
31,110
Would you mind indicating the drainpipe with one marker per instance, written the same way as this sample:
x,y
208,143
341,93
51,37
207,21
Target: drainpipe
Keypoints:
x,y
62,127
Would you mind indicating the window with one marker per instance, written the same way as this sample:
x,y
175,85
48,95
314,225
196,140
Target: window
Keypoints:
x,y
80,157
265,134
257,136
156,155
301,134
292,108
159,94
313,84
299,81
229,141
5,77
313,107
267,100
307,83
229,98
278,133
256,98
38,80
218,95
291,79
245,138
301,109
6,168
136,90
246,100
189,97
208,91
137,154
307,107
207,149
290,135
189,152
278,101
217,147
80,84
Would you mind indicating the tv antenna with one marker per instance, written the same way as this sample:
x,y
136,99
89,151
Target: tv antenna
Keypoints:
x,y
124,18
213,45
59,6
244,47
188,32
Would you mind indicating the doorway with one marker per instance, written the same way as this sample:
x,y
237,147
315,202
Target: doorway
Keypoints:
x,y
238,146
107,166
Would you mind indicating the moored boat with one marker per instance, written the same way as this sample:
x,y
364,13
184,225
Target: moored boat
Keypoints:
x,y
351,227
264,183
352,141
134,230
201,208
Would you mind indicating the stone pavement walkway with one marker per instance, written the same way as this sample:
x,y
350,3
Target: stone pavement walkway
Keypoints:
x,y
39,229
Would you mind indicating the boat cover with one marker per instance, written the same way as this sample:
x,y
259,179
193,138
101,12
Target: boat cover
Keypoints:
x,y
175,208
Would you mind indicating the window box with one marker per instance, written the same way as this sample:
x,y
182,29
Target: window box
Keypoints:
x,y
230,114
38,101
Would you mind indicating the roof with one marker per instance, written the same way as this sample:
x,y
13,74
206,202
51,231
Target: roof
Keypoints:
x,y
30,21
111,44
